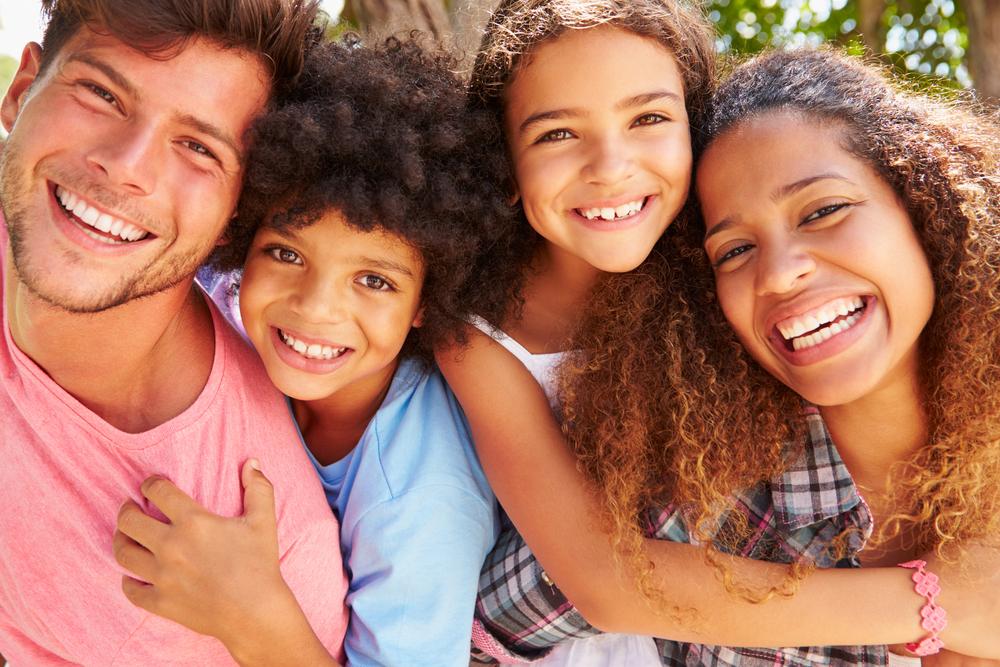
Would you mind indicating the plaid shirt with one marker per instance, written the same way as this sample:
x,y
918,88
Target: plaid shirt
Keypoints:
x,y
520,615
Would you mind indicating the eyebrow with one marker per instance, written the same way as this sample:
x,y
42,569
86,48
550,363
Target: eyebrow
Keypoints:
x,y
781,193
189,120
627,103
386,265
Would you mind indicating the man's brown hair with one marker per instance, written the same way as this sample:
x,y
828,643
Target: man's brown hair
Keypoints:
x,y
278,31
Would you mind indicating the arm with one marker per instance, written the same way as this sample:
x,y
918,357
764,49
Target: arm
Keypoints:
x,y
414,563
535,478
186,571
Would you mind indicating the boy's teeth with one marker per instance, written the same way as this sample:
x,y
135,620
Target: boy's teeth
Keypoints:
x,y
311,351
104,222
613,213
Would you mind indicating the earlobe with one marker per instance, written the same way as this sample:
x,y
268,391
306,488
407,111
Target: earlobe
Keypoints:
x,y
418,321
27,72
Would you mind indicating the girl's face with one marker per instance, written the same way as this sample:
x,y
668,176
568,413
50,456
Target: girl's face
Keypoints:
x,y
598,135
328,306
817,265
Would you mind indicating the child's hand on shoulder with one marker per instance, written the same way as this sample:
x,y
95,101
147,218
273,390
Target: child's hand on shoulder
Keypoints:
x,y
218,576
967,596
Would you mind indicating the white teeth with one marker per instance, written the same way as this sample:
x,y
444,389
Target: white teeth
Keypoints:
x,y
825,334
615,213
797,326
98,220
311,351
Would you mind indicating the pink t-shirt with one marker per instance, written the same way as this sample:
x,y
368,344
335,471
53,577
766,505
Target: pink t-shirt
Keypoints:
x,y
64,472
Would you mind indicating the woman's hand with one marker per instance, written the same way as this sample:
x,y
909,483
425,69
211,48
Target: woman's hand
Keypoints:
x,y
969,597
217,576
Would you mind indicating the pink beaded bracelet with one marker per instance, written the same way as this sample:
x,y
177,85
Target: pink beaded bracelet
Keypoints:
x,y
932,616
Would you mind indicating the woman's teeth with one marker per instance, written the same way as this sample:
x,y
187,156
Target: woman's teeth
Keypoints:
x,y
126,232
311,351
615,213
820,325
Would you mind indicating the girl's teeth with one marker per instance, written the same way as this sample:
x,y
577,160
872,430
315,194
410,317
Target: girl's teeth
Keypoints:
x,y
312,351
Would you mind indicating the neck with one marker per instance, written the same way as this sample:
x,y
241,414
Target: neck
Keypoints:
x,y
135,366
882,428
555,294
333,425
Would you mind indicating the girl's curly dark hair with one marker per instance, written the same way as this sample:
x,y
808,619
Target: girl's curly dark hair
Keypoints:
x,y
381,134
671,408
518,27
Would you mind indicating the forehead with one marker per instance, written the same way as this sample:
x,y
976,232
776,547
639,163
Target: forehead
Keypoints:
x,y
581,67
199,78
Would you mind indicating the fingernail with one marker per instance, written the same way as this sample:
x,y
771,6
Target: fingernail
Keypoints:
x,y
255,464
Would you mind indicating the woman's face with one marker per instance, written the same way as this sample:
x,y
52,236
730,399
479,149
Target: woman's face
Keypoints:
x,y
598,136
818,267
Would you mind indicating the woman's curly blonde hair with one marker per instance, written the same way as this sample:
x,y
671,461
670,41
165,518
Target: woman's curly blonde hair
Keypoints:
x,y
667,406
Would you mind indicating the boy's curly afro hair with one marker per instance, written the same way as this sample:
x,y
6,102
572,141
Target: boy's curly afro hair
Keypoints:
x,y
381,133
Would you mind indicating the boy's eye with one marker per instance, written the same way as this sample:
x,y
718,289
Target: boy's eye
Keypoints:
x,y
650,119
377,283
284,255
554,135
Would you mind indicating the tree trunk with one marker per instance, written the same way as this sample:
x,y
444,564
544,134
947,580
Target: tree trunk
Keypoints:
x,y
869,20
984,48
469,18
386,17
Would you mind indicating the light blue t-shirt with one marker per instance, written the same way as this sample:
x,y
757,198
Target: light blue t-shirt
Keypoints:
x,y
417,518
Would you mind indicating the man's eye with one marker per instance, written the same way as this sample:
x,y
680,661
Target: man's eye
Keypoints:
x,y
284,255
200,149
102,93
377,283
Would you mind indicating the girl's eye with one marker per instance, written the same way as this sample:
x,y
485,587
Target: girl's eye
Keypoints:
x,y
102,93
554,135
650,119
284,255
730,254
825,211
377,283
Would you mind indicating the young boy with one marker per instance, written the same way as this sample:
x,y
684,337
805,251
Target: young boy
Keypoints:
x,y
377,204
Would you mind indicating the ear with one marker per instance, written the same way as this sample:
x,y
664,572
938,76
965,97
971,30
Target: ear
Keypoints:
x,y
515,192
17,93
418,320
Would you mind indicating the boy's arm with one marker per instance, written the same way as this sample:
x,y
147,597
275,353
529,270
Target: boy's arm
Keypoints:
x,y
535,477
414,563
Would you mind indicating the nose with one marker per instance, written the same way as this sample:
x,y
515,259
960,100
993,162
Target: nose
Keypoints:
x,y
781,267
129,158
610,160
320,300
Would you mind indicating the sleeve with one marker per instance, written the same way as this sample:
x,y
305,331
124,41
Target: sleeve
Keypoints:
x,y
520,614
414,563
314,571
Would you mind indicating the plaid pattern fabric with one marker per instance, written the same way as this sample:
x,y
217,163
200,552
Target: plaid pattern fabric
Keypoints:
x,y
797,516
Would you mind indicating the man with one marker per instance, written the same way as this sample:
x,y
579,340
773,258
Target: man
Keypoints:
x,y
121,170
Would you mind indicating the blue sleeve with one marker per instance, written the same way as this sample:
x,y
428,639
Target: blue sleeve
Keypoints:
x,y
414,564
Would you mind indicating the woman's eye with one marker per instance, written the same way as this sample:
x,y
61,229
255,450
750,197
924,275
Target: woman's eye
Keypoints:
x,y
825,211
650,119
377,283
730,254
284,255
554,135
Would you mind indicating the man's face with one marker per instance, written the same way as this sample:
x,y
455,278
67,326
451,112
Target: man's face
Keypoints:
x,y
121,171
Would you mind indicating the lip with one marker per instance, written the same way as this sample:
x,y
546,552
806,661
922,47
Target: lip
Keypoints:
x,y
74,231
828,348
601,225
298,362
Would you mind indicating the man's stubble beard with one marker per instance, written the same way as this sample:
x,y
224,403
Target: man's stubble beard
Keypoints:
x,y
129,288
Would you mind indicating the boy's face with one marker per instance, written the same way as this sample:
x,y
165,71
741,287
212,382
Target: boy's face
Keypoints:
x,y
328,306
121,171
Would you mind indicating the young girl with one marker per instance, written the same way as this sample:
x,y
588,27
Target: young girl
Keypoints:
x,y
818,232
591,191
374,202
